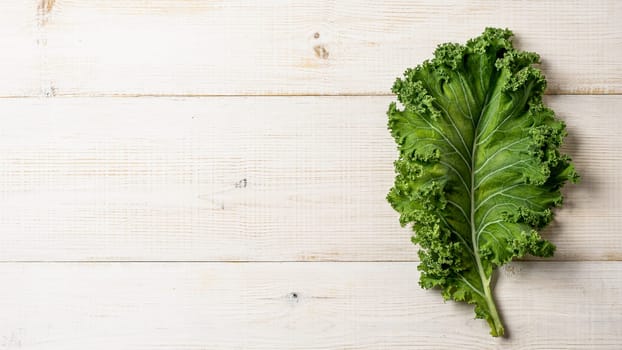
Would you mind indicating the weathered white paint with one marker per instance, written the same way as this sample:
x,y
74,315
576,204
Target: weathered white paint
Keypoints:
x,y
21,56
249,178
136,47
272,178
196,306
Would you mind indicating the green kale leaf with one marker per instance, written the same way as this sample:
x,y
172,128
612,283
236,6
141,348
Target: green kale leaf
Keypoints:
x,y
479,165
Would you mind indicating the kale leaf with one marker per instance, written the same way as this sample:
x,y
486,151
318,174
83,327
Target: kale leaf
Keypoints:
x,y
479,165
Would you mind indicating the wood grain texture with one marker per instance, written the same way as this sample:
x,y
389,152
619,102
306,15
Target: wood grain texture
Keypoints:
x,y
248,179
136,47
299,306
21,55
273,180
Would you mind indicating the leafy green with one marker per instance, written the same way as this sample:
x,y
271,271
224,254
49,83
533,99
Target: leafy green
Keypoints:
x,y
479,165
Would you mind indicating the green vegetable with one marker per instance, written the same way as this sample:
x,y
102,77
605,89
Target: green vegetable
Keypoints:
x,y
479,165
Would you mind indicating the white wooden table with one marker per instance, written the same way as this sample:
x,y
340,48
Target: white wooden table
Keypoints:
x,y
211,175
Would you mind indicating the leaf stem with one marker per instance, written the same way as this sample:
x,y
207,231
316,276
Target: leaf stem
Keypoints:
x,y
496,327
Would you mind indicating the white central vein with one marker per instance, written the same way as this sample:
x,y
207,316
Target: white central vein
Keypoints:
x,y
474,231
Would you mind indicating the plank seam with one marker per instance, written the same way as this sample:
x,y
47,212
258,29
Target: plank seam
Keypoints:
x,y
49,94
257,261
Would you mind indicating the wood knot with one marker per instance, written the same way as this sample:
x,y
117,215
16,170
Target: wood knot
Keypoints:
x,y
45,6
320,52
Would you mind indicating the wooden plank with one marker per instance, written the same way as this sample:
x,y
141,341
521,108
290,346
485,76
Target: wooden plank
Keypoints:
x,y
200,47
248,179
22,54
572,305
